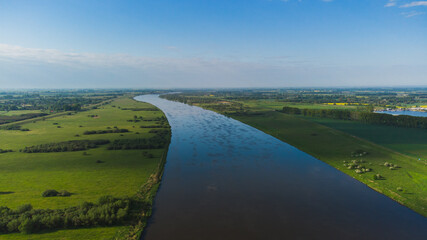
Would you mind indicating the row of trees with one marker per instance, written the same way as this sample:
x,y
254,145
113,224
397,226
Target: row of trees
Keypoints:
x,y
153,126
117,130
362,116
75,145
160,140
106,212
141,109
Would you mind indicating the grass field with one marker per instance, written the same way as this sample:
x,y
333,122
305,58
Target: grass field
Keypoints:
x,y
276,105
24,176
409,141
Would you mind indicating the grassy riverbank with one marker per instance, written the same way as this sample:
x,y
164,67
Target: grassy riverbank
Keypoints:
x,y
87,174
388,166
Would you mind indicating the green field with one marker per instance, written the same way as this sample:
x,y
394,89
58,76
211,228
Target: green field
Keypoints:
x,y
278,105
87,174
409,141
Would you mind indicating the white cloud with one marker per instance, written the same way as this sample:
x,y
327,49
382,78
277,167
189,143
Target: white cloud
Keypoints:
x,y
391,3
412,14
414,4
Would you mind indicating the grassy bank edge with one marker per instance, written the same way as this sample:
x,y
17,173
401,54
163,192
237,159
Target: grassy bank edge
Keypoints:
x,y
147,193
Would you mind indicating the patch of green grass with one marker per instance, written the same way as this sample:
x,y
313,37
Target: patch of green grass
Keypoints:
x,y
86,174
409,141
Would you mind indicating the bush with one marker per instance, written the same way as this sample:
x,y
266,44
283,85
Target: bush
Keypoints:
x,y
5,150
27,226
24,208
50,193
378,177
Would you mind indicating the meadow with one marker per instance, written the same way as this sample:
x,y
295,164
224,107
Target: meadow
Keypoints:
x,y
87,174
409,141
278,105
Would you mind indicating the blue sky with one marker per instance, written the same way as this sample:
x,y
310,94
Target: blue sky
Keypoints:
x,y
212,43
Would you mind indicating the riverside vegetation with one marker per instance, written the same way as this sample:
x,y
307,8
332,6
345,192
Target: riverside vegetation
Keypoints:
x,y
337,126
80,173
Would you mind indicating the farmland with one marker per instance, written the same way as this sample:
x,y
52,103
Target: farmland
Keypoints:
x,y
87,174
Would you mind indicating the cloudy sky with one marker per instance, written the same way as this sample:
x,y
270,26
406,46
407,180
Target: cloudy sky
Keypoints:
x,y
212,43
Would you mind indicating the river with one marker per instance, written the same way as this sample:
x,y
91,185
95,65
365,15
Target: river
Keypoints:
x,y
409,113
226,180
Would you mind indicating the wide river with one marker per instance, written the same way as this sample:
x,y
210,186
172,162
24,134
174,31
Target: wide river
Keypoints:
x,y
226,180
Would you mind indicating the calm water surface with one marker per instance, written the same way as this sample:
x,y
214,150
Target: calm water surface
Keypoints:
x,y
226,180
410,113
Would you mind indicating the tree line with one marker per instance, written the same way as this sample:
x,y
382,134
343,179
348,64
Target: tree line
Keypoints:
x,y
69,146
117,130
160,140
362,116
